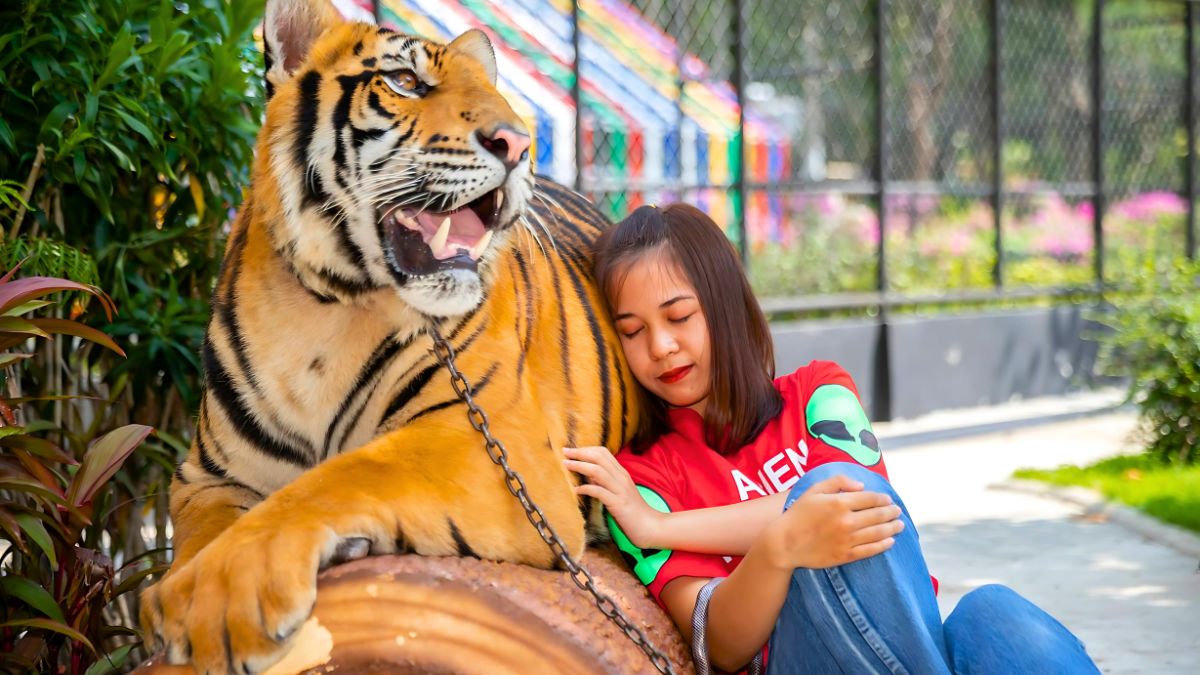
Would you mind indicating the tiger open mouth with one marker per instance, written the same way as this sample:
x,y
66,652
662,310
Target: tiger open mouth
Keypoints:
x,y
427,242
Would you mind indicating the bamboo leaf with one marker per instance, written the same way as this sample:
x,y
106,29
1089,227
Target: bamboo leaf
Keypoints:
x,y
135,579
6,136
111,662
60,113
37,469
33,595
27,307
197,190
12,528
120,55
45,425
68,327
38,535
16,483
18,326
119,154
40,447
11,358
20,291
138,126
9,274
14,430
103,459
47,624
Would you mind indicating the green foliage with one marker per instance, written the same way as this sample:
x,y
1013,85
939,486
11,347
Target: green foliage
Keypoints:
x,y
56,582
133,124
1155,341
161,95
10,195
48,258
144,115
1168,492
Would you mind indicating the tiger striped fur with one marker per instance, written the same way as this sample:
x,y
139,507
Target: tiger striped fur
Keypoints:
x,y
326,425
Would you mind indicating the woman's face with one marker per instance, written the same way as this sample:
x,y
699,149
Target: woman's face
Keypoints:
x,y
663,331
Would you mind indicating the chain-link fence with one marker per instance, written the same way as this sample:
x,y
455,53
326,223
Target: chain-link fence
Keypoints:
x,y
970,147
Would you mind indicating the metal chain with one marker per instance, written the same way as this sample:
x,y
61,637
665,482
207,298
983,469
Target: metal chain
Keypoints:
x,y
516,485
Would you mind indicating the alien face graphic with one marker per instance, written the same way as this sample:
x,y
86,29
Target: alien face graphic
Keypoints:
x,y
646,562
835,416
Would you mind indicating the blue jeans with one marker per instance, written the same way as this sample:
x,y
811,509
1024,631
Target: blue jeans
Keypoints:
x,y
879,615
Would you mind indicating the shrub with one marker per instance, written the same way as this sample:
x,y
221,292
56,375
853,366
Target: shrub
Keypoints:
x,y
126,136
57,581
128,130
1155,341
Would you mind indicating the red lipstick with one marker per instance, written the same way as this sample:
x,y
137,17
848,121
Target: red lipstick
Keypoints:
x,y
675,374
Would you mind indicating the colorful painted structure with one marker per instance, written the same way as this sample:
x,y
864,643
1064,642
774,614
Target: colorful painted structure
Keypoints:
x,y
643,138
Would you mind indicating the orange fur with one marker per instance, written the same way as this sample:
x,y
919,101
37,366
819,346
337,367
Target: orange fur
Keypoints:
x,y
326,418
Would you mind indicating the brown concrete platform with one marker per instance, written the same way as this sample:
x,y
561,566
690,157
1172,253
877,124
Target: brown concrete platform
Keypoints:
x,y
413,614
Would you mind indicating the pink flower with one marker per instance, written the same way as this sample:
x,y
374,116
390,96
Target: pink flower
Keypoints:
x,y
1150,205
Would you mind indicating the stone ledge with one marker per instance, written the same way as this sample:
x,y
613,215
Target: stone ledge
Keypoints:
x,y
1093,503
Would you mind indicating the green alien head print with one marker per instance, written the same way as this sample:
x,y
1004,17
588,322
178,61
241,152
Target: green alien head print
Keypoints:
x,y
835,416
646,562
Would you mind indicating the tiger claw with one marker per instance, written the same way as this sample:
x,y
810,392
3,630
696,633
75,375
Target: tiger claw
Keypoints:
x,y
350,549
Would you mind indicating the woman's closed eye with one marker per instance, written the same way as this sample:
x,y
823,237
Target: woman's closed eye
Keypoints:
x,y
682,319
629,335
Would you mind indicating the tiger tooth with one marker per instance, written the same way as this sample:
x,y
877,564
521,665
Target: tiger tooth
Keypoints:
x,y
439,240
481,245
499,200
405,220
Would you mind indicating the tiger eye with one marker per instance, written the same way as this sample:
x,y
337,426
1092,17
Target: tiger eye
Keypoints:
x,y
406,80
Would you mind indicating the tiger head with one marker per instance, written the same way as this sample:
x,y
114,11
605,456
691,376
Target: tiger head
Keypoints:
x,y
393,161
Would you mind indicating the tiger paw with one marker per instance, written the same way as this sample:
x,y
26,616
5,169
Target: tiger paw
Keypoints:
x,y
235,607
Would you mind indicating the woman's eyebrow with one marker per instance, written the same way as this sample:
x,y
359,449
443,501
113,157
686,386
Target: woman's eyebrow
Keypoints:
x,y
676,299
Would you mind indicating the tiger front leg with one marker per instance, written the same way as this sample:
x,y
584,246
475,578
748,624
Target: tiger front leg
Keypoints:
x,y
236,604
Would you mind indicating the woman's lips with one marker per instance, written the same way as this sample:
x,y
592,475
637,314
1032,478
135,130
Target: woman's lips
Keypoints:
x,y
674,375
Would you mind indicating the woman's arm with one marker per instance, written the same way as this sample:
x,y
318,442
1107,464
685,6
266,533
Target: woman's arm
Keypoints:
x,y
826,526
725,530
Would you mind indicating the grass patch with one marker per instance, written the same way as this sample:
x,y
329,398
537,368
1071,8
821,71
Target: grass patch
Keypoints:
x,y
1167,492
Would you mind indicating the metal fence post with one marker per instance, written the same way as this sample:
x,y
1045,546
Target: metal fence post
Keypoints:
x,y
675,25
997,74
882,382
880,168
1098,139
1189,107
739,88
375,11
576,95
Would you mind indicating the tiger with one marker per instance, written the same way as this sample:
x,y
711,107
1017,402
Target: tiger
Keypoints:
x,y
391,194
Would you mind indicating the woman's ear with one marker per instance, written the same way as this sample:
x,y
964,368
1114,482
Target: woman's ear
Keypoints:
x,y
475,43
289,31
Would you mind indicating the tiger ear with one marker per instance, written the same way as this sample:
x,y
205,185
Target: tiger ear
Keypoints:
x,y
475,44
289,30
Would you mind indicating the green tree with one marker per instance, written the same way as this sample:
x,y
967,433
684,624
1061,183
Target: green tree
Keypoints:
x,y
126,135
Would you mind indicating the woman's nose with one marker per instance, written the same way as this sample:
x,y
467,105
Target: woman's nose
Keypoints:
x,y
663,345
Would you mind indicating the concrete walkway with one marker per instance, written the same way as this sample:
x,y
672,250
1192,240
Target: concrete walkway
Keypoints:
x,y
1135,603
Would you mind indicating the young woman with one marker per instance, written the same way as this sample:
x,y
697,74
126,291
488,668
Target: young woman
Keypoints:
x,y
775,487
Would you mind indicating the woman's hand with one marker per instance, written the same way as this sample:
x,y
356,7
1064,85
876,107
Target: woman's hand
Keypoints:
x,y
832,524
611,484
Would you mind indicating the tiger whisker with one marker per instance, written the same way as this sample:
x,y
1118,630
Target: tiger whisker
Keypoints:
x,y
402,204
538,217
529,230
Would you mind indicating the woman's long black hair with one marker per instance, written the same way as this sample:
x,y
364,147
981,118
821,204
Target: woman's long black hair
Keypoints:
x,y
742,397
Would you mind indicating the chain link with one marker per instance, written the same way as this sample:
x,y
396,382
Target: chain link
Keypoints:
x,y
516,485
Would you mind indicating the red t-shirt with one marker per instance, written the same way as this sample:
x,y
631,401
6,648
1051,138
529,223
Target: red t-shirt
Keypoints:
x,y
822,421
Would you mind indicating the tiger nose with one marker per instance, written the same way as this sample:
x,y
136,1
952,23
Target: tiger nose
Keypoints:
x,y
506,143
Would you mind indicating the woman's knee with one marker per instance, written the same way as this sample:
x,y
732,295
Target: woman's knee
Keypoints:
x,y
994,626
871,481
